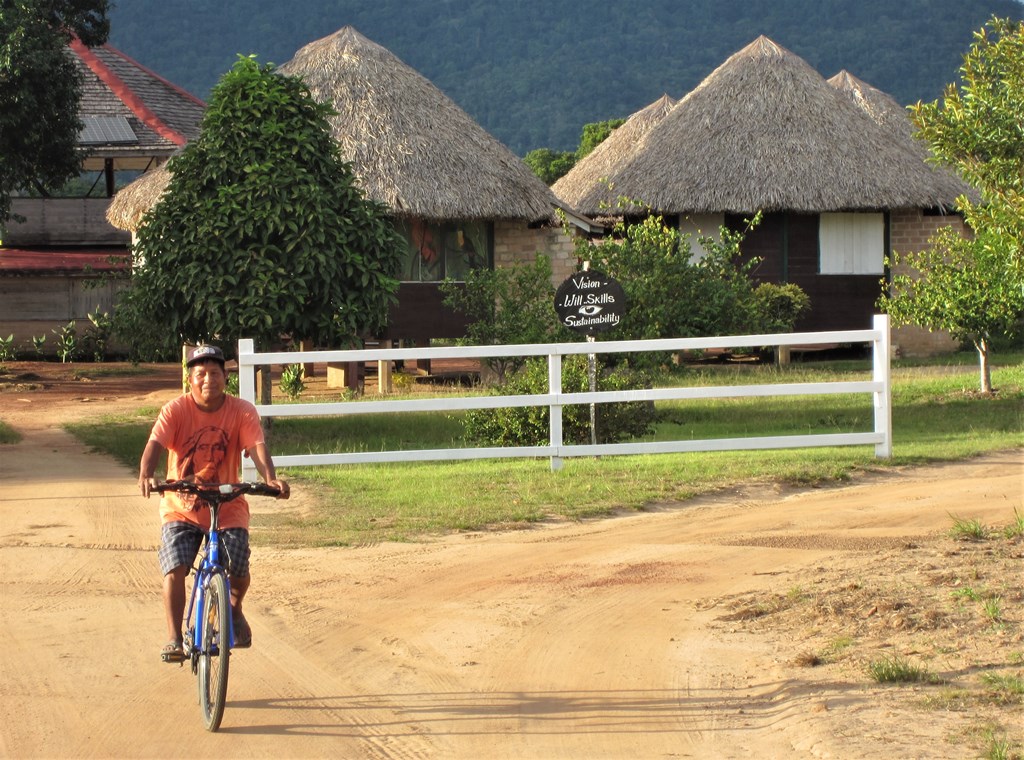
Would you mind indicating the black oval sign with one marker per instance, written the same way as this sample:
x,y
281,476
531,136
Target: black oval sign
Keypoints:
x,y
590,302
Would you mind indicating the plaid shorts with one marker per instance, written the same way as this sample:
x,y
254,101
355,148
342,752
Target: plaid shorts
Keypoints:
x,y
181,541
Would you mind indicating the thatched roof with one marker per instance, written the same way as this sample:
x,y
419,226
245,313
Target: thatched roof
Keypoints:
x,y
765,131
894,119
622,142
411,146
128,205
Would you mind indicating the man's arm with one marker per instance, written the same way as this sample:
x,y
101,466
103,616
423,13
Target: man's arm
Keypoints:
x,y
147,467
260,456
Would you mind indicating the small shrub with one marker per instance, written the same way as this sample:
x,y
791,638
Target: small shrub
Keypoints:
x,y
67,342
292,384
528,426
38,343
7,348
99,334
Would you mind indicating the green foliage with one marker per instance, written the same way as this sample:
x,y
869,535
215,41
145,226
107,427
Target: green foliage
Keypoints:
x,y
292,383
99,334
550,165
507,306
38,344
528,426
668,293
594,134
776,308
40,88
974,288
262,231
67,342
7,352
896,669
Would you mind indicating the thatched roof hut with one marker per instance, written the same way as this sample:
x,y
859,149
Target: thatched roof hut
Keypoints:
x,y
622,142
765,131
411,147
894,119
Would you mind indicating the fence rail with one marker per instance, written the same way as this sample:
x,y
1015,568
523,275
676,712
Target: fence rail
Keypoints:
x,y
555,399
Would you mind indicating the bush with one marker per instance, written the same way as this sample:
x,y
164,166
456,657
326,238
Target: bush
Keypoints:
x,y
776,308
528,426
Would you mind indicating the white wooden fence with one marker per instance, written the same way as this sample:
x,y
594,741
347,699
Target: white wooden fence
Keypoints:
x,y
879,387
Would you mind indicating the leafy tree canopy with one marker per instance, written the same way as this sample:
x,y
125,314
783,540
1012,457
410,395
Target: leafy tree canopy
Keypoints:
x,y
262,231
40,89
974,288
595,134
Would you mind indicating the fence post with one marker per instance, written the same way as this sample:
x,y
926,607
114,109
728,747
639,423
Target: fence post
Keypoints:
x,y
881,373
247,391
555,410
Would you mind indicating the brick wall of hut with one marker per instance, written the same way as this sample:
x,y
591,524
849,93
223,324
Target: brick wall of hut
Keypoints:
x,y
910,231
516,243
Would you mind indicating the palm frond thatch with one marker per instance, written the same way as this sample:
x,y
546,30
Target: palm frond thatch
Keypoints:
x,y
894,119
765,131
410,145
622,142
126,209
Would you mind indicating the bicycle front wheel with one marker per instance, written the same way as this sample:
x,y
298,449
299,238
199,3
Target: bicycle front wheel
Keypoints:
x,y
214,651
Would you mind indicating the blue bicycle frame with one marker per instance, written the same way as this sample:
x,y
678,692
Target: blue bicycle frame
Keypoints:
x,y
209,564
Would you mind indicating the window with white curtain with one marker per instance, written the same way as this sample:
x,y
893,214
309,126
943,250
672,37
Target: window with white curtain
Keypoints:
x,y
698,226
851,243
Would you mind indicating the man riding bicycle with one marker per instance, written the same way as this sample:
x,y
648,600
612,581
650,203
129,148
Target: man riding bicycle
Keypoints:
x,y
204,433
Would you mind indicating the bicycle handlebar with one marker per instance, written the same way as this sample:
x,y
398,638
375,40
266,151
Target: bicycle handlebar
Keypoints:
x,y
219,492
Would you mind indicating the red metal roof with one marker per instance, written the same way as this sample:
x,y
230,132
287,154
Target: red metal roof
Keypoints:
x,y
62,260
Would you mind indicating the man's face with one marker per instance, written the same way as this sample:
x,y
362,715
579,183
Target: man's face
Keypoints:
x,y
207,381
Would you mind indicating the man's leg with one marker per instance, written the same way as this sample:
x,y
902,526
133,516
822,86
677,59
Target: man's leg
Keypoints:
x,y
174,600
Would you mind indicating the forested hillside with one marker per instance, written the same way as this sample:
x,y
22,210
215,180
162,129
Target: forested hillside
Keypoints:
x,y
533,72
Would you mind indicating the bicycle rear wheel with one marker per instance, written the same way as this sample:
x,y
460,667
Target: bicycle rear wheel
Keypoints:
x,y
214,651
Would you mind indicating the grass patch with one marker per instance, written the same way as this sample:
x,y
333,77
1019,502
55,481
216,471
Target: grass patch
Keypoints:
x,y
937,417
1007,689
895,669
108,370
8,434
967,529
1016,527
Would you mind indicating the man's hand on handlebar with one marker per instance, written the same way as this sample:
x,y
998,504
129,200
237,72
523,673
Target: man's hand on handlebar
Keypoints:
x,y
147,485
281,486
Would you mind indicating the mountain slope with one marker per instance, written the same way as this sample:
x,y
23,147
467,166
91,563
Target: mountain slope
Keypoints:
x,y
533,72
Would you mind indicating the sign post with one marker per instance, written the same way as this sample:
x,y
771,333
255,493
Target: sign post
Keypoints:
x,y
590,302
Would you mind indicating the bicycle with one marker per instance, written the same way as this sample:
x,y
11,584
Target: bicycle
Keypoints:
x,y
210,633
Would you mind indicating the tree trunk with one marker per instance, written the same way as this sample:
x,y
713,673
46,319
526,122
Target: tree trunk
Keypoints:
x,y
264,391
985,370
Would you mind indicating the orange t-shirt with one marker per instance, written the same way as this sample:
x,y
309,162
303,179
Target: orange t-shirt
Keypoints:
x,y
206,446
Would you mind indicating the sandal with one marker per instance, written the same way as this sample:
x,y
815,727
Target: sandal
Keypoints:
x,y
243,633
173,652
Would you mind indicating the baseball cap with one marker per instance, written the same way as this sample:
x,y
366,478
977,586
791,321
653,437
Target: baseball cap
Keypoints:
x,y
204,353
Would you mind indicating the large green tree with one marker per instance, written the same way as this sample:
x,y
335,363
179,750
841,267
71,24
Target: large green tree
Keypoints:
x,y
262,231
40,89
973,287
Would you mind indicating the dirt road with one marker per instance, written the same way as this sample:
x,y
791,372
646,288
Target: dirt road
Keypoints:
x,y
609,639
